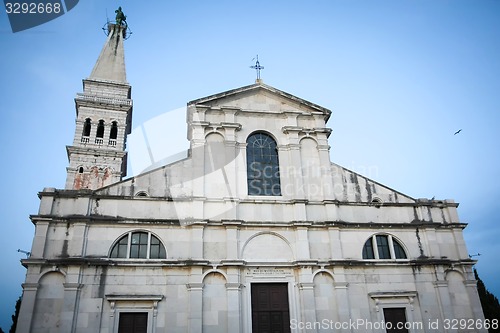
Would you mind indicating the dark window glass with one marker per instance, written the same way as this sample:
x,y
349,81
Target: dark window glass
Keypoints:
x,y
263,176
383,247
397,318
86,127
100,129
368,250
138,248
139,245
399,252
157,251
133,322
120,249
113,133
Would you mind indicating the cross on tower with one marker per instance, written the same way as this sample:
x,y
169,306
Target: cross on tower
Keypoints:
x,y
257,67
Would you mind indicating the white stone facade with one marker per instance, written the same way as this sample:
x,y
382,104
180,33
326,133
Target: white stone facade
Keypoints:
x,y
220,242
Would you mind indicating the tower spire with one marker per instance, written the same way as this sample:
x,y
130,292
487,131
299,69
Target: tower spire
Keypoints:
x,y
103,119
110,65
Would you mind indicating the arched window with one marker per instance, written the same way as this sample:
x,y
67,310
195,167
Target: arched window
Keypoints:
x,y
87,126
80,170
139,245
383,247
263,172
100,129
113,133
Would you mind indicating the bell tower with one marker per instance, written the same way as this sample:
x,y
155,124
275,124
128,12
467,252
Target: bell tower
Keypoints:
x,y
97,156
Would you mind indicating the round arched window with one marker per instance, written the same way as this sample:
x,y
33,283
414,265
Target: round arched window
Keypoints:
x,y
263,172
138,245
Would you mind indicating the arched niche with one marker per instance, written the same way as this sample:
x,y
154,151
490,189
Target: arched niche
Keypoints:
x,y
267,246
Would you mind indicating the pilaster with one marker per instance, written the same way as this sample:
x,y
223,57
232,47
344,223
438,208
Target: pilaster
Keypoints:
x,y
474,301
27,307
234,306
302,247
38,247
308,306
342,296
195,319
69,312
197,241
444,299
335,243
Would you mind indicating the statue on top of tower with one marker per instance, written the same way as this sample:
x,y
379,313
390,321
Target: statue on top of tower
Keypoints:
x,y
121,19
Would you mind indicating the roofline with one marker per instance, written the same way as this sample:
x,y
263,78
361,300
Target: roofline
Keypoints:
x,y
374,181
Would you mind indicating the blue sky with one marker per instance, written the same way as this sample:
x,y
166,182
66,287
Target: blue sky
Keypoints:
x,y
399,76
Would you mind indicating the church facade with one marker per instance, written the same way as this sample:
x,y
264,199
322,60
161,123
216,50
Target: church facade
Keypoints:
x,y
255,231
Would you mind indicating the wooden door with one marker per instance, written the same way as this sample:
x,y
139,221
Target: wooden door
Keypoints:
x,y
270,311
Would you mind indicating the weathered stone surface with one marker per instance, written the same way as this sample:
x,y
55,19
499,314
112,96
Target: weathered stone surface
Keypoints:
x,y
219,240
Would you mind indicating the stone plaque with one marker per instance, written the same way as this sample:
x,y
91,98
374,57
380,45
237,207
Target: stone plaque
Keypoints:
x,y
269,271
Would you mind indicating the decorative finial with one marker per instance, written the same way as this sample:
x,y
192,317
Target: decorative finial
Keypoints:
x,y
257,68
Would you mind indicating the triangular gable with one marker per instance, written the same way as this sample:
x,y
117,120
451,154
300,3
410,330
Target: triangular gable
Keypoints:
x,y
254,89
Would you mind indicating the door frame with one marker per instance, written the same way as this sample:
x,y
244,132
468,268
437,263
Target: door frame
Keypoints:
x,y
131,303
247,298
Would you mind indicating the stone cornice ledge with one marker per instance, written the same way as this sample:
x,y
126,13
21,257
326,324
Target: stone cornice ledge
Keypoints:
x,y
386,294
135,298
234,262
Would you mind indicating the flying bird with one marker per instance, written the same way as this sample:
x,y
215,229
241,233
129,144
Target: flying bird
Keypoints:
x,y
460,130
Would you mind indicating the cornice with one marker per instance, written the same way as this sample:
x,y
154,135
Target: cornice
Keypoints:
x,y
350,225
240,263
94,149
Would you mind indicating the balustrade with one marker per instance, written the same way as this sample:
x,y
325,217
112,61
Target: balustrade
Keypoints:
x,y
100,99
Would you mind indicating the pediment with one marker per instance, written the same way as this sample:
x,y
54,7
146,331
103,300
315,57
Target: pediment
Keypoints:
x,y
262,98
